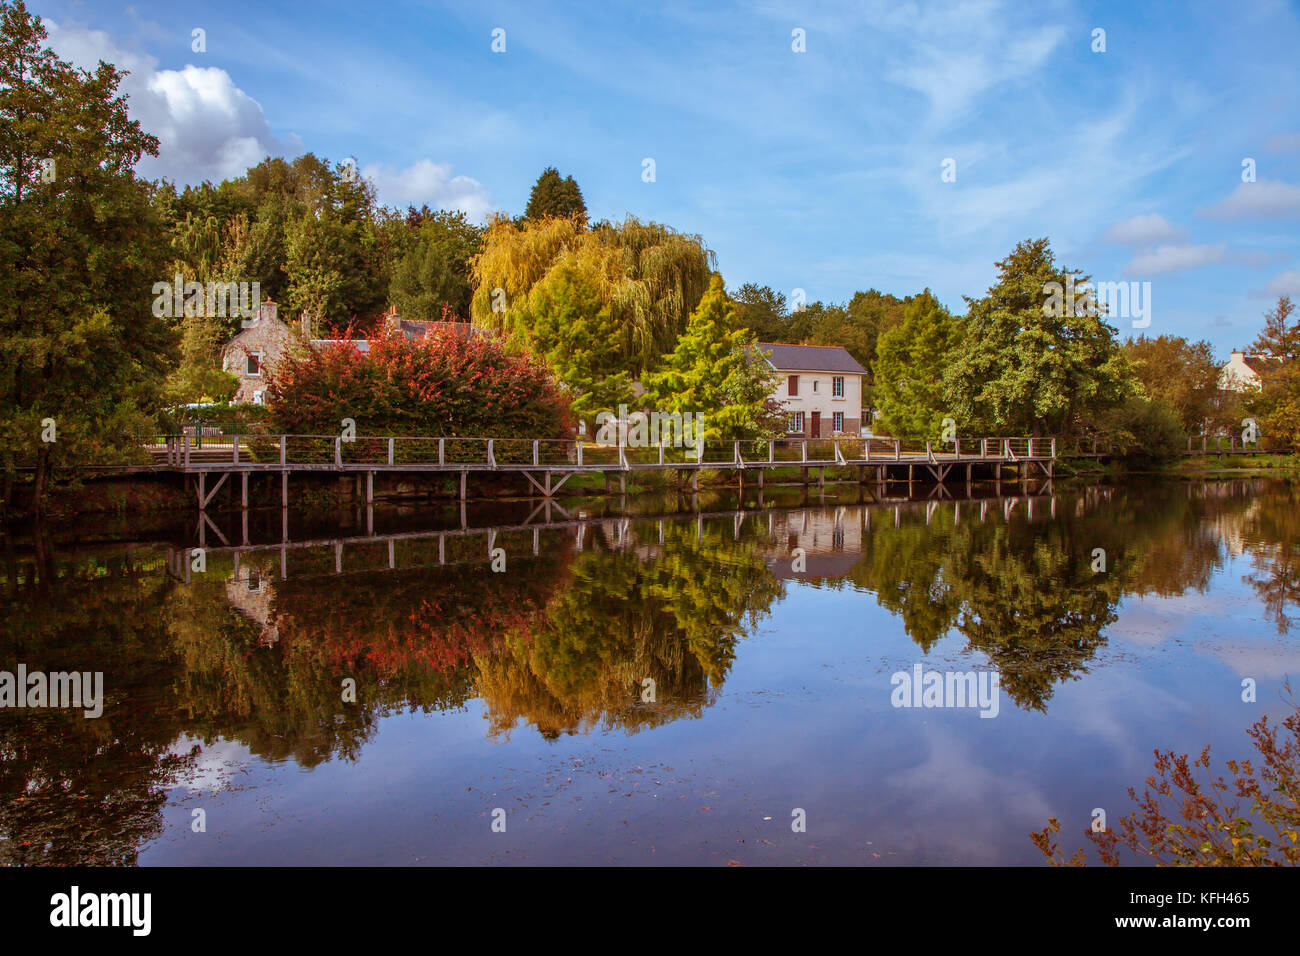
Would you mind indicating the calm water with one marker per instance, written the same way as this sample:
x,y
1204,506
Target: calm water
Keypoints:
x,y
524,689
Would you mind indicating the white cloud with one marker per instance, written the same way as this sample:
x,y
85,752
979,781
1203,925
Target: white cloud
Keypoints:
x,y
428,182
207,126
1265,199
1284,283
1144,230
1176,258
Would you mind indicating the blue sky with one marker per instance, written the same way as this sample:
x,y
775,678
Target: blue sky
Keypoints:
x,y
817,170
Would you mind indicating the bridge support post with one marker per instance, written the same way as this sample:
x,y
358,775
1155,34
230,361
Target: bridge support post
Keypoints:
x,y
284,489
760,476
243,489
370,487
821,478
464,475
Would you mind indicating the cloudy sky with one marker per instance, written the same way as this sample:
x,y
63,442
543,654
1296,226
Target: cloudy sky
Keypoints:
x,y
819,170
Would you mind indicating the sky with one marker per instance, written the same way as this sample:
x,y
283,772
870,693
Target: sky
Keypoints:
x,y
828,148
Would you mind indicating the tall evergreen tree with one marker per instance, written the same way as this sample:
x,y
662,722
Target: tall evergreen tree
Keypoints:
x,y
716,371
555,197
910,367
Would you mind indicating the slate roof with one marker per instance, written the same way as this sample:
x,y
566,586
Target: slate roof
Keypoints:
x,y
811,358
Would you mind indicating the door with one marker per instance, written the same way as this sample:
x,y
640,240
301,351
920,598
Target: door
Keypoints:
x,y
816,430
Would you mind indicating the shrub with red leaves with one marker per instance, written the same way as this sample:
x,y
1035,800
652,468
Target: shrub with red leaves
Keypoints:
x,y
441,384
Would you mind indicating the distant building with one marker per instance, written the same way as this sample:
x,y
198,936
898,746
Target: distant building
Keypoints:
x,y
821,389
1244,373
251,353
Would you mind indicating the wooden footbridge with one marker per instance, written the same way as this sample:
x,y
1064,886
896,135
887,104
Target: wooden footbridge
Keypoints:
x,y
549,463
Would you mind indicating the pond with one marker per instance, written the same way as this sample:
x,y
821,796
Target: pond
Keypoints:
x,y
648,682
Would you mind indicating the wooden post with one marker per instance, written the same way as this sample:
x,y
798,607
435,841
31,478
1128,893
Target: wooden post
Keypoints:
x,y
243,477
579,451
463,476
186,440
391,456
370,487
283,439
898,450
536,460
235,447
338,452
771,449
442,459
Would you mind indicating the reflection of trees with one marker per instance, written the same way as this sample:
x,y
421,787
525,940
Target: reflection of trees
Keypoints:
x,y
78,791
1024,592
672,614
1273,532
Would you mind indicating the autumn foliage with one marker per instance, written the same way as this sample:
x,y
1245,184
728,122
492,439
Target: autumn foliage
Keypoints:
x,y
441,384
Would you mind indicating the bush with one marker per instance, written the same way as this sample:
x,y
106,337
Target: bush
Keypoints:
x,y
438,385
1146,432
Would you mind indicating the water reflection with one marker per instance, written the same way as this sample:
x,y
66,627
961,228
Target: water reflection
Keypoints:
x,y
622,623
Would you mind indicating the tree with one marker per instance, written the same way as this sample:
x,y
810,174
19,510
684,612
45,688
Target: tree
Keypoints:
x,y
1181,375
1028,365
1276,406
434,269
764,312
80,248
574,330
909,371
650,276
553,197
716,372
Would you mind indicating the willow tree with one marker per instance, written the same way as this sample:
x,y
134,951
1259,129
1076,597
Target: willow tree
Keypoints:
x,y
649,275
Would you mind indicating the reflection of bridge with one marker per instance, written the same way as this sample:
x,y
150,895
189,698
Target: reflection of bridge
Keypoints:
x,y
622,532
548,464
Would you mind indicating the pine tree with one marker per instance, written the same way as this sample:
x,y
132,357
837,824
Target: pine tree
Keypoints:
x,y
717,372
910,368
553,197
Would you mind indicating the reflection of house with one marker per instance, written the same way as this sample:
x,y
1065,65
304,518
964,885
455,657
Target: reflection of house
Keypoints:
x,y
821,389
265,338
252,595
1245,373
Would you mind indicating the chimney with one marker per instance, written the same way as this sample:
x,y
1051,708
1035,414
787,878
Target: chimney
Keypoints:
x,y
267,310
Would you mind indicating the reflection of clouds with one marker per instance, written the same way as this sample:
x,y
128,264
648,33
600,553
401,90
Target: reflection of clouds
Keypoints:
x,y
1260,661
214,764
967,822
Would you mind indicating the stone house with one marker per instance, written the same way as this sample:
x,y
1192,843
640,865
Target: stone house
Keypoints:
x,y
1243,373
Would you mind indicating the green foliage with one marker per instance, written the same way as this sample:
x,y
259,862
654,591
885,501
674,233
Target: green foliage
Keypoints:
x,y
650,276
78,254
716,371
574,329
1145,431
434,269
1024,370
910,368
553,197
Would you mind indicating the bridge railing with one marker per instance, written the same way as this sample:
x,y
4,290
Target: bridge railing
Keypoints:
x,y
449,452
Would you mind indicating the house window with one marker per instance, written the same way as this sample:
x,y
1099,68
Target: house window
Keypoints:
x,y
837,386
837,421
794,384
253,364
796,422
814,385
254,582
259,397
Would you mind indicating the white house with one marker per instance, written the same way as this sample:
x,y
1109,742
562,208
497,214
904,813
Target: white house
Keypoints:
x,y
1242,373
821,389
